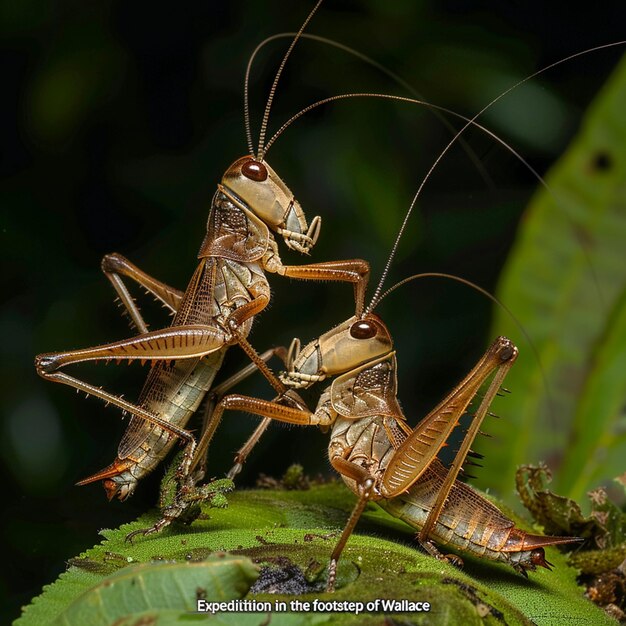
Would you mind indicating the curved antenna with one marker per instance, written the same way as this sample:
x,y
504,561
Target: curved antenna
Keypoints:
x,y
458,279
270,98
345,96
484,292
471,121
373,63
445,150
386,96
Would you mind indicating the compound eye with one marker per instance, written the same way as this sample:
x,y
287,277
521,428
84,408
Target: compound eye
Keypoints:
x,y
254,170
363,330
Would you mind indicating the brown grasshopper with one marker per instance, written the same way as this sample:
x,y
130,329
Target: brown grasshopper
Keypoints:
x,y
227,289
381,458
216,310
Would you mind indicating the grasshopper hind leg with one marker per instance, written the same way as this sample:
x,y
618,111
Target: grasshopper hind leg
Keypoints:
x,y
367,491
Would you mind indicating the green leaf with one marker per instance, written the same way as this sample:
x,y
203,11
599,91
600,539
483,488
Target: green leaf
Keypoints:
x,y
178,585
83,596
295,531
565,281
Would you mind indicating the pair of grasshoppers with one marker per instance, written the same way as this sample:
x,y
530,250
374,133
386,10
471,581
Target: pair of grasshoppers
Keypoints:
x,y
380,456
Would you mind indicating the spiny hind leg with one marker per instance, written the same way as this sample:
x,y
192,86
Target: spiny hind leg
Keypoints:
x,y
183,342
165,345
115,267
169,344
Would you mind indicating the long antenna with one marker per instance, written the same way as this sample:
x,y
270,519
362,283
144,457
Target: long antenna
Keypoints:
x,y
387,96
458,279
484,292
369,61
270,98
445,150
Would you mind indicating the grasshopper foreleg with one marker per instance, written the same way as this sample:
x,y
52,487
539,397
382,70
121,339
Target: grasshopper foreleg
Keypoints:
x,y
355,271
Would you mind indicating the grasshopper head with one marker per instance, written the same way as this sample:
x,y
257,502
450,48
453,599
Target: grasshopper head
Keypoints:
x,y
353,343
267,196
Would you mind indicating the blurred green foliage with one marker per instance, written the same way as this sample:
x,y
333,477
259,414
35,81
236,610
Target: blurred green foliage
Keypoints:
x,y
569,292
120,120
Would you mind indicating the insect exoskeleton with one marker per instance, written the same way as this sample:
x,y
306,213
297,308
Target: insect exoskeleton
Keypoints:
x,y
216,310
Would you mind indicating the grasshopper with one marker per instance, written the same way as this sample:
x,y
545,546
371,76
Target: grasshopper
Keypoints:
x,y
382,459
226,291
216,310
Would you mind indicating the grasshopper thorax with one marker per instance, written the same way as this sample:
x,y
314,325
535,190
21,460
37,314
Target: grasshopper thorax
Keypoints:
x,y
267,196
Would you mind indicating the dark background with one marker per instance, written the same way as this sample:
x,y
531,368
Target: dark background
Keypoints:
x,y
119,121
